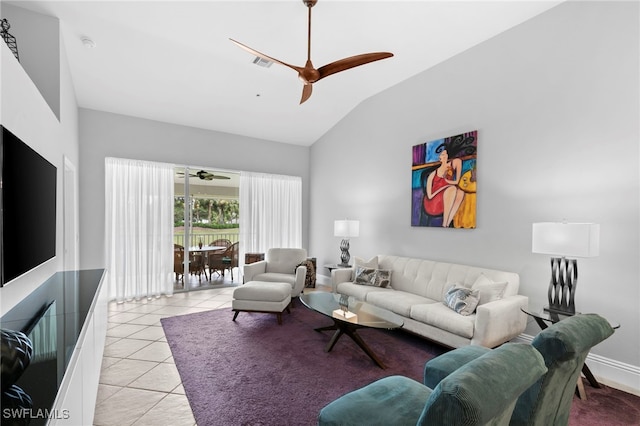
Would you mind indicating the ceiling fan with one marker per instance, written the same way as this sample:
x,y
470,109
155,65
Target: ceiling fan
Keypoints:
x,y
204,175
308,74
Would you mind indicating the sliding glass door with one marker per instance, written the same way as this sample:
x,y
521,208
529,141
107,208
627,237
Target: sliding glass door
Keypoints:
x,y
206,221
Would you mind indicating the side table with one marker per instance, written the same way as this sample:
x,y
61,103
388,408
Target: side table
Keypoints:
x,y
332,266
543,318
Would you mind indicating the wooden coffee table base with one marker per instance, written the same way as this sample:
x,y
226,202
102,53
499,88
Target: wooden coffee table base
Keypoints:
x,y
350,330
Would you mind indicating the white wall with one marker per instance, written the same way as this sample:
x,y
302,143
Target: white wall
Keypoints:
x,y
555,101
26,113
112,135
38,41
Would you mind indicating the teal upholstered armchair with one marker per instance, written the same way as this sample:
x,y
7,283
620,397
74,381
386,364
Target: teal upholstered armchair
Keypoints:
x,y
564,346
482,392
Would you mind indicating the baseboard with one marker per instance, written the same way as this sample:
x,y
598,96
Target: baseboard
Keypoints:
x,y
615,374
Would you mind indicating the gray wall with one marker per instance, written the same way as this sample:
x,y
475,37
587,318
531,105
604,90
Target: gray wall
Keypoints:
x,y
111,135
38,40
29,116
555,102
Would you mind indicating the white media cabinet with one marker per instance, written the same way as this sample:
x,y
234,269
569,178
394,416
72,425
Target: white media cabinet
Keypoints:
x,y
70,311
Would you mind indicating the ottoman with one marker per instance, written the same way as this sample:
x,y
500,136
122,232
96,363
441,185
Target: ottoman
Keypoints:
x,y
261,296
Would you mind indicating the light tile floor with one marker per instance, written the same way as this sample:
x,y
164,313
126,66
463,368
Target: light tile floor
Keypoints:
x,y
139,382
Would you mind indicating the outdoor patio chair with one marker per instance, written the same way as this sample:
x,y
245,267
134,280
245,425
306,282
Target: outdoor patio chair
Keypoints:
x,y
178,261
219,261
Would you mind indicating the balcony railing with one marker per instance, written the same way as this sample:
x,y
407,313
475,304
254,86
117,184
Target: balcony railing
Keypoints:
x,y
206,238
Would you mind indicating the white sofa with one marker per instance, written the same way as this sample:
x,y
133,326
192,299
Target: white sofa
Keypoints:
x,y
416,292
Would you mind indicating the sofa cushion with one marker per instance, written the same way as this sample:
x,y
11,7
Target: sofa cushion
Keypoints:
x,y
488,289
408,274
399,302
440,316
462,300
276,277
358,291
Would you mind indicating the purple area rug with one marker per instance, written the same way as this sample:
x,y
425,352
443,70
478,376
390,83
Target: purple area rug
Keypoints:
x,y
255,372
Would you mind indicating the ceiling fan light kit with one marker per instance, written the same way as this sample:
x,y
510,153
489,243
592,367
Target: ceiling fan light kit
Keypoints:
x,y
309,74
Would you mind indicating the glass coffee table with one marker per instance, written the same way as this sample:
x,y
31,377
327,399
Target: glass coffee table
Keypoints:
x,y
360,315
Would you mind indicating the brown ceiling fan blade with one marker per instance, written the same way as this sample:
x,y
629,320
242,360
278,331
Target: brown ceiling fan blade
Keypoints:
x,y
306,92
265,57
351,62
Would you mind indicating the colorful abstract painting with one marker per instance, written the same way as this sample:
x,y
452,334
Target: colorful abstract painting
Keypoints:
x,y
444,182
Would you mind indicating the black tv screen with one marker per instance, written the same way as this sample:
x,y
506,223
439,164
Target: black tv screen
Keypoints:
x,y
28,208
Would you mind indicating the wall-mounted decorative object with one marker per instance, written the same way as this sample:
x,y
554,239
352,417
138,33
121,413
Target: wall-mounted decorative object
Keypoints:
x,y
8,38
443,182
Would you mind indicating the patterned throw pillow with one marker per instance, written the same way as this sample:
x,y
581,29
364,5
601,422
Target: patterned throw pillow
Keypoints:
x,y
310,278
360,262
383,278
372,277
461,300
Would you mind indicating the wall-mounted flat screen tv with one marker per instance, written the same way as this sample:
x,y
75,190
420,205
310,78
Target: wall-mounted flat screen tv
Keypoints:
x,y
28,205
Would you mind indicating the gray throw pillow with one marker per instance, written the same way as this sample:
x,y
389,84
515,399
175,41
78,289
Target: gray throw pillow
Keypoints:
x,y
462,300
489,290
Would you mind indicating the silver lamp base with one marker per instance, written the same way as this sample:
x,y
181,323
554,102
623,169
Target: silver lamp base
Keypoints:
x,y
562,287
344,255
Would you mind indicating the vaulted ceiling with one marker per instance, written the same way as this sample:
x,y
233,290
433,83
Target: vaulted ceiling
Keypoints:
x,y
172,61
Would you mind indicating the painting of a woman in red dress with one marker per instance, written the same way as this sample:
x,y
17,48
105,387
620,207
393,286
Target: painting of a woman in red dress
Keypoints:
x,y
442,195
439,187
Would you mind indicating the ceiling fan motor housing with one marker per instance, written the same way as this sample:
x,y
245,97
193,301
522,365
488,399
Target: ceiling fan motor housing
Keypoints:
x,y
309,74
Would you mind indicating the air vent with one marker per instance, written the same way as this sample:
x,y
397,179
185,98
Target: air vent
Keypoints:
x,y
262,62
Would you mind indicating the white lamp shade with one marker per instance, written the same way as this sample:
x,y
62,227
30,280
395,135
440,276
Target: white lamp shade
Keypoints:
x,y
566,239
346,228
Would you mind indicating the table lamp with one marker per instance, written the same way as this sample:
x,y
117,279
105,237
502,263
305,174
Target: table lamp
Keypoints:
x,y
563,240
345,229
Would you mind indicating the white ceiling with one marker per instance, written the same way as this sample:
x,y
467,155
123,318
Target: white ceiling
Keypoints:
x,y
172,61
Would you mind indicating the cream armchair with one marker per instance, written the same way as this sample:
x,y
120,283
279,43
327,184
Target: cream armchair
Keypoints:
x,y
280,265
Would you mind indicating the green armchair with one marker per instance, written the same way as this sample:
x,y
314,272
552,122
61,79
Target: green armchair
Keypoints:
x,y
564,347
482,392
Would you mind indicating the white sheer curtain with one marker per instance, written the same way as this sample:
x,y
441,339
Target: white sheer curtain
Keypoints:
x,y
138,228
270,212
